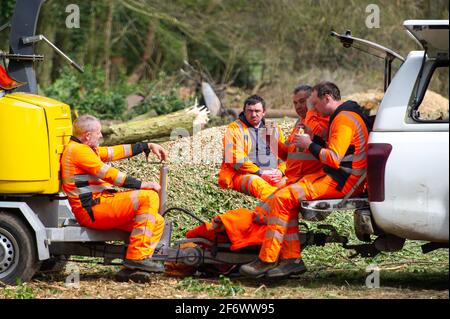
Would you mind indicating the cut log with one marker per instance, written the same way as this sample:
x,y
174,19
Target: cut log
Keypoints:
x,y
156,129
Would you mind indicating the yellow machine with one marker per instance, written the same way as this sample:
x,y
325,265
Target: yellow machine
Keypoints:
x,y
37,227
34,129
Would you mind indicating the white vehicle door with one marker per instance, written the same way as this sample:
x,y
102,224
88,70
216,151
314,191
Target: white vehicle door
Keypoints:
x,y
409,191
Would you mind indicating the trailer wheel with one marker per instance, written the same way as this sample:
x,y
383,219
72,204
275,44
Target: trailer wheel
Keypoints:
x,y
18,253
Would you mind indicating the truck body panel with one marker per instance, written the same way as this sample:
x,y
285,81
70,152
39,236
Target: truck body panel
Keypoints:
x,y
416,204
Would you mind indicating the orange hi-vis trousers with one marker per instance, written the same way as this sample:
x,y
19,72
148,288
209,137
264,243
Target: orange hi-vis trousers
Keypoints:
x,y
281,230
255,185
132,211
282,212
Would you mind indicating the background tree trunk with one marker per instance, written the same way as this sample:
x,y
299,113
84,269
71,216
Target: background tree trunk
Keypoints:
x,y
139,70
107,52
92,45
44,69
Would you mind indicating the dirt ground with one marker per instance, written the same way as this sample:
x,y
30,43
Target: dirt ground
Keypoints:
x,y
97,281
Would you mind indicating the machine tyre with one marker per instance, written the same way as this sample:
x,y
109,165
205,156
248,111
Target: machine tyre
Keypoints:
x,y
18,253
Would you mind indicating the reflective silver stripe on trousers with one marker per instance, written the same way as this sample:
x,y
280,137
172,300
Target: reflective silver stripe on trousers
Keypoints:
x,y
120,178
291,237
110,154
247,181
274,234
301,156
145,218
278,221
103,170
244,180
264,206
298,190
135,200
127,150
141,231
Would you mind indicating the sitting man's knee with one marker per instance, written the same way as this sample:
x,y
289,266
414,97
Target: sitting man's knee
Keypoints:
x,y
149,196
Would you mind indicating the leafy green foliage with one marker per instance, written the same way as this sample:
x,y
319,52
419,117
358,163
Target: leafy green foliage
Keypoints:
x,y
6,10
86,94
161,104
20,291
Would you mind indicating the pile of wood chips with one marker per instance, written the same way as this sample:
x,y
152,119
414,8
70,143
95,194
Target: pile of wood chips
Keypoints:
x,y
433,106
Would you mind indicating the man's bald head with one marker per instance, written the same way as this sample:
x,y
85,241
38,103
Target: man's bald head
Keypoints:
x,y
87,129
83,124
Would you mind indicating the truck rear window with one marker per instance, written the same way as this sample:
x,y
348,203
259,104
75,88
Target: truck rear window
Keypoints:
x,y
434,105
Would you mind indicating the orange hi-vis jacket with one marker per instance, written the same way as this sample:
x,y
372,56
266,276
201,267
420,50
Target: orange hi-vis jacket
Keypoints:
x,y
249,150
345,157
85,174
302,162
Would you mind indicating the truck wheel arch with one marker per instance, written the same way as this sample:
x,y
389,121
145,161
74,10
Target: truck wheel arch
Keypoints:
x,y
33,222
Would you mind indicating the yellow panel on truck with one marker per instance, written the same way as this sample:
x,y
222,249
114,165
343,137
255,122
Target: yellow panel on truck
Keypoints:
x,y
33,132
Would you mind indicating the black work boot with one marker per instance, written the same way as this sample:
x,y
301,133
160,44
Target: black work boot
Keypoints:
x,y
144,264
287,267
256,268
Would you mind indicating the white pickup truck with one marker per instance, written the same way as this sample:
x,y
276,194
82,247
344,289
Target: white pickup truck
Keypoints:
x,y
408,159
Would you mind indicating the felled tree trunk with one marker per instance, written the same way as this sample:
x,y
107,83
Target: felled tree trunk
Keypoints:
x,y
155,129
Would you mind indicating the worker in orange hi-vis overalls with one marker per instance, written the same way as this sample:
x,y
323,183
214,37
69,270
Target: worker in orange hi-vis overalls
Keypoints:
x,y
300,162
344,162
87,180
251,164
243,227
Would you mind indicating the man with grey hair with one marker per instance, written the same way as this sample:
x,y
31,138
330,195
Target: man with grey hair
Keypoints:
x,y
88,180
299,97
